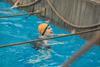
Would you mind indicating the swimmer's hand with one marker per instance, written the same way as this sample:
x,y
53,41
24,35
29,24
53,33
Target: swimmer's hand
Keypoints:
x,y
73,31
14,6
60,34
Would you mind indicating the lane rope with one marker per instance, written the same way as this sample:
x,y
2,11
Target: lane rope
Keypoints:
x,y
65,35
14,15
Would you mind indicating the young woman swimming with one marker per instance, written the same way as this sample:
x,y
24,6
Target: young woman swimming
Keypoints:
x,y
45,31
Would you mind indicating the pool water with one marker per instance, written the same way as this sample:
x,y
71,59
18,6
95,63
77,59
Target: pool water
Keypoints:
x,y
24,28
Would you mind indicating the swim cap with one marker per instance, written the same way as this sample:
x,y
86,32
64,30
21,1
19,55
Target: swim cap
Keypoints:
x,y
42,28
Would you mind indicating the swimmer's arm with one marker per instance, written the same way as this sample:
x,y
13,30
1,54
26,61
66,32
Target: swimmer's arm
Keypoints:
x,y
57,34
45,42
60,34
16,4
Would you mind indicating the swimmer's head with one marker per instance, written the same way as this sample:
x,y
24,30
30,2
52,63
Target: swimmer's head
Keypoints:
x,y
45,29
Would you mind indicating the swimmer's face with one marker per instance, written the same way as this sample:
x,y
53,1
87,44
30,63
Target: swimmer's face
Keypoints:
x,y
49,31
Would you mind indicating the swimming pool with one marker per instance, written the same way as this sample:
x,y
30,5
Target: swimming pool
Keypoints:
x,y
24,28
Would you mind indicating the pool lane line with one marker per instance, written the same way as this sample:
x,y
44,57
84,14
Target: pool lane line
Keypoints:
x,y
30,13
60,36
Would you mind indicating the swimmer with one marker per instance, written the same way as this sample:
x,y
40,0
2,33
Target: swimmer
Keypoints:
x,y
46,31
16,4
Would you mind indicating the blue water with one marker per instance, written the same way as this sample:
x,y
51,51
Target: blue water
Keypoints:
x,y
24,28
